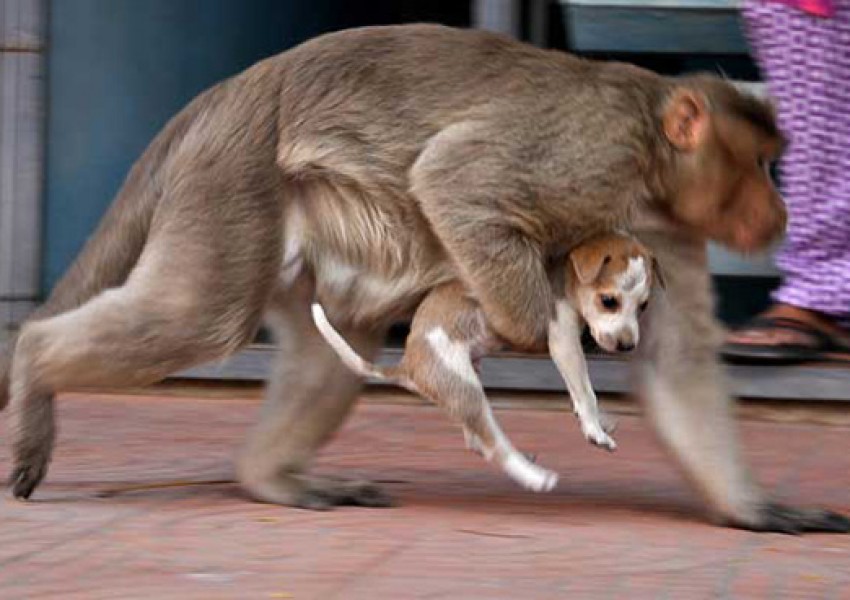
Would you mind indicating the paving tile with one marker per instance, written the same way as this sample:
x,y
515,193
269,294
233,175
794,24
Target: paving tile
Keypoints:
x,y
117,518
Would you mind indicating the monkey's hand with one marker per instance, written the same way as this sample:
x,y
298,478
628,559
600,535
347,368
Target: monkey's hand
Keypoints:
x,y
777,518
506,275
480,209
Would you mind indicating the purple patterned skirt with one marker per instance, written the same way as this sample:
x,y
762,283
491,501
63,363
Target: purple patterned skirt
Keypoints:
x,y
806,62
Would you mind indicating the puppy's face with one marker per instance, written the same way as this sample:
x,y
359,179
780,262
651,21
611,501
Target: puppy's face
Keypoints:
x,y
613,278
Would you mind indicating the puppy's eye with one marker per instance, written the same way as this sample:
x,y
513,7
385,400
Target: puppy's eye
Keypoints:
x,y
643,305
609,302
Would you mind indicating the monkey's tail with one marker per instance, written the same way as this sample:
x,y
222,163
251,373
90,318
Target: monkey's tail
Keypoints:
x,y
349,356
116,245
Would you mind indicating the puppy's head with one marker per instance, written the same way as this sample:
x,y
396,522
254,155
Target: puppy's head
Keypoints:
x,y
612,276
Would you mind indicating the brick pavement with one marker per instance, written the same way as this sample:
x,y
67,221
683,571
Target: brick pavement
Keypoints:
x,y
617,526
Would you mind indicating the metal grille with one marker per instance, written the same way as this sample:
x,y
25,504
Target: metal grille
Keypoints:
x,y
22,35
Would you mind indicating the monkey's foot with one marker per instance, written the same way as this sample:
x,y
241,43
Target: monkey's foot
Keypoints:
x,y
340,492
317,493
32,449
778,518
26,476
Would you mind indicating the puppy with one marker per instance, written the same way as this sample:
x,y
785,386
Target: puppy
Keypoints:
x,y
603,283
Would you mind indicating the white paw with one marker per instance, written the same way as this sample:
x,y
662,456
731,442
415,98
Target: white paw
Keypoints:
x,y
596,435
528,474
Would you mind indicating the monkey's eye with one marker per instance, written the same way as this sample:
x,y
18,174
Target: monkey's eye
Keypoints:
x,y
609,302
643,305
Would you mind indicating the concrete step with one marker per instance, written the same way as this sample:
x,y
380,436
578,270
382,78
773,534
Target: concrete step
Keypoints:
x,y
511,371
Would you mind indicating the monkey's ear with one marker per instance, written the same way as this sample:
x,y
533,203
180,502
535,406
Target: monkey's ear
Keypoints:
x,y
658,273
587,262
686,119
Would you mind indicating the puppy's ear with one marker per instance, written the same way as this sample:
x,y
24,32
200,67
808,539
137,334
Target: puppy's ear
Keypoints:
x,y
587,262
658,273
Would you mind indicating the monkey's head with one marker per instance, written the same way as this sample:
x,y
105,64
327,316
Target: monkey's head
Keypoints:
x,y
722,144
612,279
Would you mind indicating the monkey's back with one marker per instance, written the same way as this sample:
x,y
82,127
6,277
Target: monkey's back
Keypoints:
x,y
358,107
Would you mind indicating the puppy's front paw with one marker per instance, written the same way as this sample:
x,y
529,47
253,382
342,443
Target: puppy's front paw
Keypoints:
x,y
596,435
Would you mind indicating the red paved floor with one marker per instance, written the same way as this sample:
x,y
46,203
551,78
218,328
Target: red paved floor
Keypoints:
x,y
617,526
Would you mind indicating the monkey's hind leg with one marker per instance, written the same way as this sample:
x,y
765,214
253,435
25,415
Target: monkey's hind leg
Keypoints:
x,y
184,303
309,395
125,336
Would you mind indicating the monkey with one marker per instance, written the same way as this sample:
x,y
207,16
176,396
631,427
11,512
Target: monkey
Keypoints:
x,y
362,169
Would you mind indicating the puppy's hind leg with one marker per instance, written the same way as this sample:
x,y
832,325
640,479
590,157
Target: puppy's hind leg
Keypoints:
x,y
449,380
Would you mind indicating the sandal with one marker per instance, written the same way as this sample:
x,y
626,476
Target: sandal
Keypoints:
x,y
823,346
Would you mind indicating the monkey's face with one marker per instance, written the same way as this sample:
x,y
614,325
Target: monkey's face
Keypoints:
x,y
722,188
612,291
728,193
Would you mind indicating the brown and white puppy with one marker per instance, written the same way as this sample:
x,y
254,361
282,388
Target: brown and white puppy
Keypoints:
x,y
604,283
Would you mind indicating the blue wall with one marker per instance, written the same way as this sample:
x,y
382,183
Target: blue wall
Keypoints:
x,y
119,69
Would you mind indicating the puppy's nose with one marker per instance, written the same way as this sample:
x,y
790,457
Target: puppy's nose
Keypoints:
x,y
625,346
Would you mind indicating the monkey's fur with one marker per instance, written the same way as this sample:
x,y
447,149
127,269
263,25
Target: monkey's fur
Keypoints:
x,y
364,168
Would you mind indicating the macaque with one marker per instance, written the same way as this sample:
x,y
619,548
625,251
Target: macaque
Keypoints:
x,y
366,167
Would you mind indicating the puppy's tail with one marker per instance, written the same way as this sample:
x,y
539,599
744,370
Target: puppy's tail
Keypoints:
x,y
349,356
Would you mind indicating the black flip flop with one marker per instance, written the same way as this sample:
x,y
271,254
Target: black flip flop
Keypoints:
x,y
821,347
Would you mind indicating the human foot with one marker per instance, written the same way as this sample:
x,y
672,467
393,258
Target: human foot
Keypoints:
x,y
786,334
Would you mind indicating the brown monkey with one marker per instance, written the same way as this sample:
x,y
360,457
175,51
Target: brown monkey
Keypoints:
x,y
362,169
